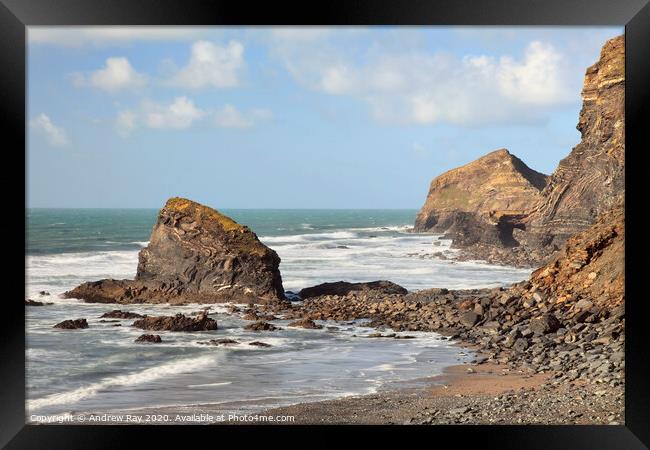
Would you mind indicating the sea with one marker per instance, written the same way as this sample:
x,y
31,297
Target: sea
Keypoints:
x,y
102,369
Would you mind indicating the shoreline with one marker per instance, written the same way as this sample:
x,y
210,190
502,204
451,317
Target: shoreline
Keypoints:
x,y
471,394
474,393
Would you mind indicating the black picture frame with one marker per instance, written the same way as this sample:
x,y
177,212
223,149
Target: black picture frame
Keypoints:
x,y
16,15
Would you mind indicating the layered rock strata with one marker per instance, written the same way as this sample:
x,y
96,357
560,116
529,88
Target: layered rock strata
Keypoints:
x,y
497,209
195,254
591,179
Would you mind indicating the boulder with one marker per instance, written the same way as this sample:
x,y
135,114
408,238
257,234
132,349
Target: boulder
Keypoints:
x,y
72,324
261,326
179,322
30,302
305,323
344,288
118,314
195,254
469,319
520,345
544,324
259,344
152,338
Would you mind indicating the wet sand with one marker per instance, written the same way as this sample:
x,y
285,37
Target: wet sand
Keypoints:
x,y
472,394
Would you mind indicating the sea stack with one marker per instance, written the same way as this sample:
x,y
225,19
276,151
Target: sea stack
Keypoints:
x,y
195,254
480,201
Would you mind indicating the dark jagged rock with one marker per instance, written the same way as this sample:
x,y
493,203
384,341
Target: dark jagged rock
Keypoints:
x,y
259,344
255,316
119,314
179,322
469,319
344,288
30,302
195,254
71,324
261,326
305,323
223,341
544,324
152,338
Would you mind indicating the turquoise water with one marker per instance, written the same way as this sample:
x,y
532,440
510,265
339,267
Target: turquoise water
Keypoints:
x,y
101,368
86,230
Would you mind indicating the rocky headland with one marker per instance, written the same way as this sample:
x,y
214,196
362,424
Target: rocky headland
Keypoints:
x,y
560,334
499,210
476,202
568,318
556,338
195,254
591,179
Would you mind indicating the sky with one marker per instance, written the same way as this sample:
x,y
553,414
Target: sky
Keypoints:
x,y
282,117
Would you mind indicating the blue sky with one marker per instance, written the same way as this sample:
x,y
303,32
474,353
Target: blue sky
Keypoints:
x,y
292,117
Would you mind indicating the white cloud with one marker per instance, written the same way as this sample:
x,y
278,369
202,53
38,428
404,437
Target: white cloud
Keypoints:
x,y
126,122
117,74
231,117
179,114
105,36
338,80
537,79
410,84
56,136
211,65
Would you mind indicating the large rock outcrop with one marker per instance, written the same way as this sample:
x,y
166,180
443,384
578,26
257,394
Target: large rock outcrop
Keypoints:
x,y
591,265
590,180
195,254
479,201
499,210
344,288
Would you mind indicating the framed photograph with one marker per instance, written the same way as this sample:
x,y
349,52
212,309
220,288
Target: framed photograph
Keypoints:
x,y
405,216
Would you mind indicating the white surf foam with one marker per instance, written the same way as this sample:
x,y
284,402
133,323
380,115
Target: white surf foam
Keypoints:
x,y
146,375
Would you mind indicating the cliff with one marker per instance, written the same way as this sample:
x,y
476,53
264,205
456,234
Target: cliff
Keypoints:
x,y
590,266
195,253
499,210
478,201
590,180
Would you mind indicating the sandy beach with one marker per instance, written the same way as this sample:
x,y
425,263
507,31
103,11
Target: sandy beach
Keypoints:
x,y
471,394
